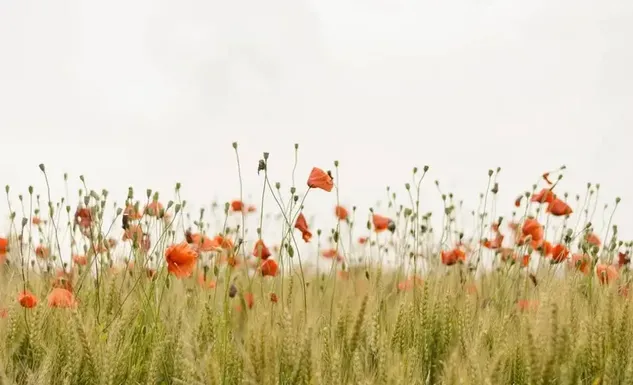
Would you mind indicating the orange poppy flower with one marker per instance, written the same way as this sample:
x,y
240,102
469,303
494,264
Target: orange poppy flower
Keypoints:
x,y
181,259
470,288
269,268
581,262
559,253
83,217
495,243
4,249
558,208
4,312
506,254
544,247
606,273
154,208
320,179
532,228
593,239
36,221
526,304
42,252
623,259
80,260
260,250
331,254
61,298
237,206
453,256
341,213
27,299
302,225
201,242
409,283
224,242
544,196
382,223
133,233
132,212
63,280
249,299
362,240
273,298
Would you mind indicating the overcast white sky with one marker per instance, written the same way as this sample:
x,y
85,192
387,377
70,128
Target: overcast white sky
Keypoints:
x,y
148,93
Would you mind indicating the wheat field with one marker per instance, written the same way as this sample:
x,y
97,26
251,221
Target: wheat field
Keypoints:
x,y
175,300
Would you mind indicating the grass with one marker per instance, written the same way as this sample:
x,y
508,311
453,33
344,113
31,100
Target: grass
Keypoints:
x,y
356,321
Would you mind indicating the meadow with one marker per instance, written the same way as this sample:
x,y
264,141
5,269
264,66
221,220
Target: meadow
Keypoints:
x,y
160,295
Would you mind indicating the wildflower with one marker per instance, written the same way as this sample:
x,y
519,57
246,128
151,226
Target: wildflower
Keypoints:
x,y
362,240
331,254
232,291
132,212
237,206
559,253
623,259
260,250
27,299
223,242
80,260
383,223
181,259
558,208
320,179
249,299
453,256
61,298
42,252
4,249
302,225
606,273
544,196
532,228
269,268
83,217
341,213
581,262
525,304
201,242
593,239
273,298
154,208
133,233
409,283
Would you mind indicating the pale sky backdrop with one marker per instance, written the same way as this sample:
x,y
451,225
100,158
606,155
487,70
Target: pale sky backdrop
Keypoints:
x,y
151,92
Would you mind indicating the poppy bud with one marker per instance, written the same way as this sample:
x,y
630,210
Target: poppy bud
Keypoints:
x,y
392,226
232,291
